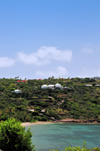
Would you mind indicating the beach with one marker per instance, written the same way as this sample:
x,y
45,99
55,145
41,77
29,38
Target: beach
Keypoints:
x,y
67,120
36,123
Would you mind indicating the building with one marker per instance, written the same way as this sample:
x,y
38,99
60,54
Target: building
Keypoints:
x,y
21,81
58,86
44,86
65,87
96,78
88,85
51,86
17,91
97,85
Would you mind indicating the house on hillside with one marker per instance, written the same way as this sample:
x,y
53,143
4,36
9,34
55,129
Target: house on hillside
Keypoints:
x,y
21,81
32,110
65,87
44,86
43,111
58,86
18,81
51,86
88,85
96,78
24,81
17,91
97,85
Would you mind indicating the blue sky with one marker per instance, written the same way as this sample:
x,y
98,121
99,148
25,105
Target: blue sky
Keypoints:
x,y
44,38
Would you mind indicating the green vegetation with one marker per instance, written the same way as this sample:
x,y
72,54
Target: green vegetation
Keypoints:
x,y
13,136
78,148
36,104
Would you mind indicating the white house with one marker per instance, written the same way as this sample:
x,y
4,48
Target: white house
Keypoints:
x,y
88,85
65,87
17,91
58,86
51,86
44,86
97,85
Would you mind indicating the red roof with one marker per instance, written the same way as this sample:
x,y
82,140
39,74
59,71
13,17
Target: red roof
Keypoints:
x,y
38,79
22,81
19,81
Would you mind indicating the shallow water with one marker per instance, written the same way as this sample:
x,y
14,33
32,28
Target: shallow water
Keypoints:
x,y
58,136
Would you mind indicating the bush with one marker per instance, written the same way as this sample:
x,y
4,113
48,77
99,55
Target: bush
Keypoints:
x,y
43,104
78,148
51,113
13,136
44,119
38,118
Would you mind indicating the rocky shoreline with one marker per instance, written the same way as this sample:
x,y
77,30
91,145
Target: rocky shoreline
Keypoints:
x,y
92,121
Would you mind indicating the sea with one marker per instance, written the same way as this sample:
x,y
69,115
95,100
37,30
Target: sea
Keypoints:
x,y
61,135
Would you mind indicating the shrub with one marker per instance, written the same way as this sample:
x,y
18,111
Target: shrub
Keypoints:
x,y
13,136
51,113
37,108
44,119
78,148
43,104
38,118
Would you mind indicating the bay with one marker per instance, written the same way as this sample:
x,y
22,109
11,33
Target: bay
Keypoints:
x,y
60,135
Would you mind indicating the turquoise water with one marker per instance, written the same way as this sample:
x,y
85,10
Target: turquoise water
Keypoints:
x,y
59,136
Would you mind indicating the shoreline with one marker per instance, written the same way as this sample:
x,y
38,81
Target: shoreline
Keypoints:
x,y
36,123
71,121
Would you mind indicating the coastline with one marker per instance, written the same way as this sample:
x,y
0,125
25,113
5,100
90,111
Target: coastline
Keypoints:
x,y
36,123
67,120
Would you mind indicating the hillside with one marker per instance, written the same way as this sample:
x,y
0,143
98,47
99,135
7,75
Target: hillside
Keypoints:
x,y
36,104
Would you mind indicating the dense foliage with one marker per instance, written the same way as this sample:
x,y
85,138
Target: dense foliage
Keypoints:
x,y
36,104
78,148
13,136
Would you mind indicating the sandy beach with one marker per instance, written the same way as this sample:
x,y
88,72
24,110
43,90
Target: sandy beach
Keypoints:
x,y
36,123
67,120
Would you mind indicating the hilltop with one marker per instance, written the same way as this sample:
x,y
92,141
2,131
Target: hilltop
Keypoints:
x,y
80,100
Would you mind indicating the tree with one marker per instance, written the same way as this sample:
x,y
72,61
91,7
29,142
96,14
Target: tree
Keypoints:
x,y
13,136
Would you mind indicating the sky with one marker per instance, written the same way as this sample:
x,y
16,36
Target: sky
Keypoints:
x,y
45,38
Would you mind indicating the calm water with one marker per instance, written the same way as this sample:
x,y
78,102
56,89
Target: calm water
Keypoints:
x,y
59,136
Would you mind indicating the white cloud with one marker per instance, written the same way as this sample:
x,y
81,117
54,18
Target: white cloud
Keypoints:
x,y
6,62
87,50
59,72
44,55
